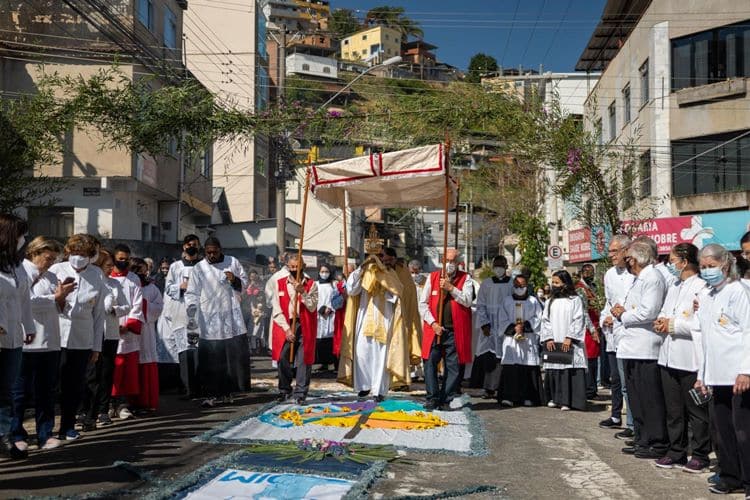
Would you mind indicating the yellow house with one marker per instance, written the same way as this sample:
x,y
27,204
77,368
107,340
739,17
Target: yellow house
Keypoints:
x,y
379,42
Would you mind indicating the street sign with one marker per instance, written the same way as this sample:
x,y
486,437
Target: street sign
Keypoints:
x,y
554,257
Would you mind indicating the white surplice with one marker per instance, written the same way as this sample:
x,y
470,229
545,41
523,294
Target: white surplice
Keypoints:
x,y
154,306
565,319
522,352
325,323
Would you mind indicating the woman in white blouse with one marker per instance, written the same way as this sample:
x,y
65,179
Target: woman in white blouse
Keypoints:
x,y
678,364
724,318
16,323
563,324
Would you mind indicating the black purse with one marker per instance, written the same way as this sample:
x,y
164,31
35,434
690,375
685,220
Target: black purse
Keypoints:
x,y
557,356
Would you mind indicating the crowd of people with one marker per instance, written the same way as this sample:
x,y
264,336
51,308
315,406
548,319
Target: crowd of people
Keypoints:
x,y
95,329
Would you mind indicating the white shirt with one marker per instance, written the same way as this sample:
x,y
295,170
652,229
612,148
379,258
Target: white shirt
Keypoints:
x,y
131,286
116,306
216,302
463,297
724,318
43,309
154,306
17,319
563,318
272,285
617,283
522,352
490,311
325,323
82,319
642,306
678,348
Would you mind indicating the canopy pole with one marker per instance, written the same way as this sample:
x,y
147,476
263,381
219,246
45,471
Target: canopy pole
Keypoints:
x,y
299,260
446,207
458,204
346,242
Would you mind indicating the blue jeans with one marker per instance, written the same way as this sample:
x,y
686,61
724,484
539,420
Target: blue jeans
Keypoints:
x,y
451,383
37,382
10,366
629,416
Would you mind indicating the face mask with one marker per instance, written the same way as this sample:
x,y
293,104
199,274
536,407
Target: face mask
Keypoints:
x,y
325,276
191,251
143,278
499,271
95,258
450,268
164,271
672,268
540,294
713,276
419,279
79,262
556,290
519,291
121,264
21,243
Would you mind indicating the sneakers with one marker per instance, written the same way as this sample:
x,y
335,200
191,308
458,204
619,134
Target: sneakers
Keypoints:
x,y
227,400
208,403
506,403
551,404
89,425
610,423
51,444
714,478
125,413
12,450
70,435
103,419
458,402
667,463
22,445
625,434
695,466
722,488
564,408
488,395
431,405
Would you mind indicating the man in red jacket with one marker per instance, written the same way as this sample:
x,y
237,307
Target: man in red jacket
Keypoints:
x,y
446,338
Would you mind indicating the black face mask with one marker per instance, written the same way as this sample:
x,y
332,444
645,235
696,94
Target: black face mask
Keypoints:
x,y
164,271
121,265
143,278
556,290
191,251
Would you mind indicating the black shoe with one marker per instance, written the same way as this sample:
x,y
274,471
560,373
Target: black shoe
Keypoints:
x,y
88,425
629,450
11,450
283,396
722,488
648,453
103,419
629,442
299,401
488,395
625,434
363,394
610,424
431,405
379,398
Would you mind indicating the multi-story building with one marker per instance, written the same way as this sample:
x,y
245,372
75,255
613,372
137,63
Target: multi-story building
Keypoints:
x,y
112,193
674,85
227,53
372,44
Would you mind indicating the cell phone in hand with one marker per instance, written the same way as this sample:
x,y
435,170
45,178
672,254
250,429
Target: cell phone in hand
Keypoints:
x,y
68,280
699,397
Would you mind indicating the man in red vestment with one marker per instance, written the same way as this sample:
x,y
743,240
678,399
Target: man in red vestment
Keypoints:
x,y
285,293
449,339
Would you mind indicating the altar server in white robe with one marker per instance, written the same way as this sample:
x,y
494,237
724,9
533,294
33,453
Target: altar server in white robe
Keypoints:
x,y
521,382
213,299
491,320
563,323
326,319
148,397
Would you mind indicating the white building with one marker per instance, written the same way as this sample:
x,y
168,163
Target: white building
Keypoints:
x,y
311,65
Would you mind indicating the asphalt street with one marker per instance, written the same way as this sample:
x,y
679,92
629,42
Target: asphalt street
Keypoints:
x,y
533,453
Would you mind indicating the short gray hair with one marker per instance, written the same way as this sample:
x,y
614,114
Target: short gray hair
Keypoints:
x,y
721,255
622,239
642,253
650,242
415,263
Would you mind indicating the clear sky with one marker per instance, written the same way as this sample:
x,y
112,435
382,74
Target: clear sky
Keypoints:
x,y
529,32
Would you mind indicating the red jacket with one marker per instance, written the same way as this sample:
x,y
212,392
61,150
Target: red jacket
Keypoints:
x,y
307,320
593,348
461,319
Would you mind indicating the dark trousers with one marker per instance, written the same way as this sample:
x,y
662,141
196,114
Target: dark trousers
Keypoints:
x,y
10,367
680,409
99,378
732,414
445,351
615,386
605,372
189,371
646,401
73,364
591,374
36,383
287,371
490,365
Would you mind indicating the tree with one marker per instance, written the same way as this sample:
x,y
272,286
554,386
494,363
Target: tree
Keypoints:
x,y
342,23
479,66
394,17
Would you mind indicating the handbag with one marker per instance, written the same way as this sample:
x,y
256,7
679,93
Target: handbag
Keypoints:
x,y
557,356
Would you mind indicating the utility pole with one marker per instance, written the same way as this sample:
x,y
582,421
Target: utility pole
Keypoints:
x,y
281,172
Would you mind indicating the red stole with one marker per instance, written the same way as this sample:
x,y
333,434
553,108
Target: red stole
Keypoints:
x,y
593,349
338,322
307,320
461,319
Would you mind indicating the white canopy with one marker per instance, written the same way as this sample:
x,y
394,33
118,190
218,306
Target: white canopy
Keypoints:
x,y
409,178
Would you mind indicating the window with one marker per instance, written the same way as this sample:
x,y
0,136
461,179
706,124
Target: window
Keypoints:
x,y
711,56
627,187
170,29
626,104
364,37
326,70
260,166
346,42
724,164
145,232
206,161
643,70
305,67
644,174
612,121
146,13
54,222
374,48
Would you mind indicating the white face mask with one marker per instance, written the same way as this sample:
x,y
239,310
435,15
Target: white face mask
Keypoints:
x,y
540,294
499,271
95,258
325,276
519,291
79,262
21,243
450,268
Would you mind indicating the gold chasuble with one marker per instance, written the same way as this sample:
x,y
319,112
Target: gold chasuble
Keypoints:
x,y
376,280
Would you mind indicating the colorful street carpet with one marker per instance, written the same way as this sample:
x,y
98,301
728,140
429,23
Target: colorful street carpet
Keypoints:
x,y
233,483
400,422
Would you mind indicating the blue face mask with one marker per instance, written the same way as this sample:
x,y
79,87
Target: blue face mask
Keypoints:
x,y
672,268
712,275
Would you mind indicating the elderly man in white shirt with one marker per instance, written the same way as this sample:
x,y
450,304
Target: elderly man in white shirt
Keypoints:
x,y
639,350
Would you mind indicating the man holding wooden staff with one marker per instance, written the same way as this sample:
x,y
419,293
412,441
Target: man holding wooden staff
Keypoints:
x,y
445,307
291,298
